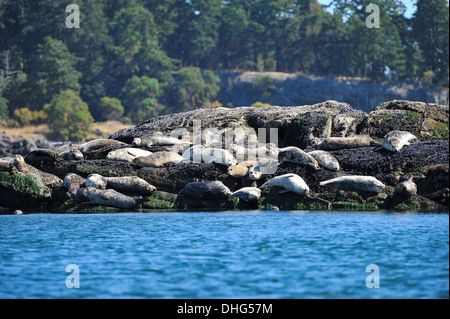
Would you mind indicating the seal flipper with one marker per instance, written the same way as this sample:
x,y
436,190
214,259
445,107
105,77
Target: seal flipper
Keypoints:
x,y
283,191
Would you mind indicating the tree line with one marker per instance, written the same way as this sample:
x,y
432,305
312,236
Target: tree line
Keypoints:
x,y
131,59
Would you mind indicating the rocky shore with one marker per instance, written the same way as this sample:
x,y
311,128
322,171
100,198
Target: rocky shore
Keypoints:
x,y
426,161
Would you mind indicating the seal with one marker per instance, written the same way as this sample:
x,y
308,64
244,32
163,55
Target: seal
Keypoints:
x,y
106,197
325,160
339,143
263,168
355,183
73,154
290,183
395,140
72,180
42,155
98,144
247,194
158,159
194,154
261,150
156,138
95,181
19,165
406,188
130,185
18,212
199,153
202,190
241,169
127,154
295,155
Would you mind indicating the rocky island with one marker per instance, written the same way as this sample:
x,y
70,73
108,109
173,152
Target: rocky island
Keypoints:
x,y
158,175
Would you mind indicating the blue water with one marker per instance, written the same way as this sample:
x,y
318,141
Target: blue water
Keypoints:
x,y
225,255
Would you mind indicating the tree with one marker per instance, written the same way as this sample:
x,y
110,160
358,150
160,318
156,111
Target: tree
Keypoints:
x,y
110,109
140,96
4,114
430,25
53,70
68,116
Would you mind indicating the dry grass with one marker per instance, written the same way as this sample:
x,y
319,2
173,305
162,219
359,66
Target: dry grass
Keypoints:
x,y
35,132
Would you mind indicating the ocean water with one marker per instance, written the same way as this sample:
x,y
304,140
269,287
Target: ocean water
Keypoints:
x,y
261,254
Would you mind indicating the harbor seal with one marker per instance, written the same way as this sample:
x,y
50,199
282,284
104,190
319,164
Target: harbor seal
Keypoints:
x,y
290,183
95,181
127,154
355,183
199,153
295,155
19,165
42,155
406,188
338,143
325,160
73,154
264,167
129,185
261,150
247,194
72,180
201,190
98,144
241,169
156,138
158,159
395,140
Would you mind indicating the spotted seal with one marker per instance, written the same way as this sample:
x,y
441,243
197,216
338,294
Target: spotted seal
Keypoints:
x,y
72,180
406,188
130,185
106,197
98,144
42,155
19,165
158,159
156,138
127,154
355,183
295,155
290,183
349,142
214,189
73,154
247,194
395,140
95,181
325,160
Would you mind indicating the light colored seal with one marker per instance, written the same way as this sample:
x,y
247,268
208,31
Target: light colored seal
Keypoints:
x,y
406,188
264,167
295,155
338,143
199,153
247,194
98,144
158,159
326,160
261,150
19,165
241,169
42,155
73,154
106,197
194,154
156,138
355,183
18,212
290,183
214,189
130,185
95,181
127,154
395,140
72,180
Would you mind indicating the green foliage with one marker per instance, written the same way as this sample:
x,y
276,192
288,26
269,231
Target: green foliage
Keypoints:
x,y
4,114
24,116
442,131
302,121
411,116
68,116
24,184
263,88
110,109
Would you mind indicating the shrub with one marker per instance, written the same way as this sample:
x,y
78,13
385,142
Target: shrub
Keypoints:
x,y
24,116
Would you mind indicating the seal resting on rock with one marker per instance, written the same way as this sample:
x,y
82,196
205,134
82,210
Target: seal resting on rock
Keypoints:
x,y
73,154
106,197
158,159
98,144
395,140
214,189
338,143
42,155
355,183
406,188
95,181
241,169
72,180
247,194
263,168
326,160
127,154
290,183
199,153
156,138
295,155
129,184
19,165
